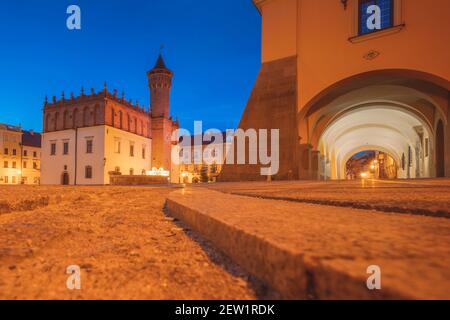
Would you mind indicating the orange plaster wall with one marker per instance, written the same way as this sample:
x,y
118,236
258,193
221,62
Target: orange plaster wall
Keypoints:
x,y
321,29
279,29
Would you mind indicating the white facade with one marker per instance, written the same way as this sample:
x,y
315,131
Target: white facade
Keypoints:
x,y
91,154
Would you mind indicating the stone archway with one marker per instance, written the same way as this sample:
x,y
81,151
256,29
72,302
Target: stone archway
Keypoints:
x,y
390,111
440,150
375,127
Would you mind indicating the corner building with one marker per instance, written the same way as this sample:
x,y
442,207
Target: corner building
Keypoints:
x,y
341,77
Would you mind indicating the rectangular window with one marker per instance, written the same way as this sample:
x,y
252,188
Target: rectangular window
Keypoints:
x,y
25,153
66,148
117,146
143,152
131,172
6,179
14,165
34,154
6,164
14,152
375,15
14,179
35,166
89,146
88,172
131,150
6,151
24,164
53,149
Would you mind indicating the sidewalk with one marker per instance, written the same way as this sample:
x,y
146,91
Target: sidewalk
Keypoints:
x,y
308,251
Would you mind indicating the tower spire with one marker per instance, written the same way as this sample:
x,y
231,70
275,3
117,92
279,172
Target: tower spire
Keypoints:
x,y
160,83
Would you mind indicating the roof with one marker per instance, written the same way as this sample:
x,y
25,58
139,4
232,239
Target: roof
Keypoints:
x,y
31,139
160,64
10,127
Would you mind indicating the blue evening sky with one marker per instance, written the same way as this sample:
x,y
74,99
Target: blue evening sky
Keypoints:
x,y
213,47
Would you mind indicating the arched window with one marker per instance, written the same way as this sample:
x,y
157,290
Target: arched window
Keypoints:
x,y
128,122
55,121
47,122
113,116
96,115
142,128
135,125
120,119
75,118
66,119
86,117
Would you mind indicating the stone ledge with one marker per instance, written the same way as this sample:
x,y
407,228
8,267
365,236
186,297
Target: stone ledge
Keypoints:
x,y
295,260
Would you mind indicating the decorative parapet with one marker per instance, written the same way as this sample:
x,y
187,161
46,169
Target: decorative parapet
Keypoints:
x,y
92,97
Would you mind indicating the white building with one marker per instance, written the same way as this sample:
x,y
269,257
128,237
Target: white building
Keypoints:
x,y
89,138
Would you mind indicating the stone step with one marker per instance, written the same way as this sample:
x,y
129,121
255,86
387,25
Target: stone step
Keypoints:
x,y
308,251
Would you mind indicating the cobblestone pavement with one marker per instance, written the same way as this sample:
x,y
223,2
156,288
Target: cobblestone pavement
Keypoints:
x,y
126,246
332,246
423,197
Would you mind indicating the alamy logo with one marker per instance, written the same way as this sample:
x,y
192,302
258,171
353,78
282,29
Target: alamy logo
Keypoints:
x,y
374,20
74,280
374,281
74,20
251,146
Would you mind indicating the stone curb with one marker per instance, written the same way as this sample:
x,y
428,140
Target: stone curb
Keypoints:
x,y
292,274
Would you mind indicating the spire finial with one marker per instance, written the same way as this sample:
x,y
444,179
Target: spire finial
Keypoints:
x,y
46,100
123,94
62,96
82,91
105,87
161,48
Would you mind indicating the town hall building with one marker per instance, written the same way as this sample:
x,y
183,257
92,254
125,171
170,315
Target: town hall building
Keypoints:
x,y
90,138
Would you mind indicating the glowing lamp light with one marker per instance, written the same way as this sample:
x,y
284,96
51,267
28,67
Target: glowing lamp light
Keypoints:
x,y
185,174
364,175
158,172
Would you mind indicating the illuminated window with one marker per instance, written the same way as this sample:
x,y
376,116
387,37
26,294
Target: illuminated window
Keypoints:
x,y
375,15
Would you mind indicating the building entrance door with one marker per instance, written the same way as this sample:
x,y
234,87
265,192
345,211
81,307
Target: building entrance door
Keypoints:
x,y
65,179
